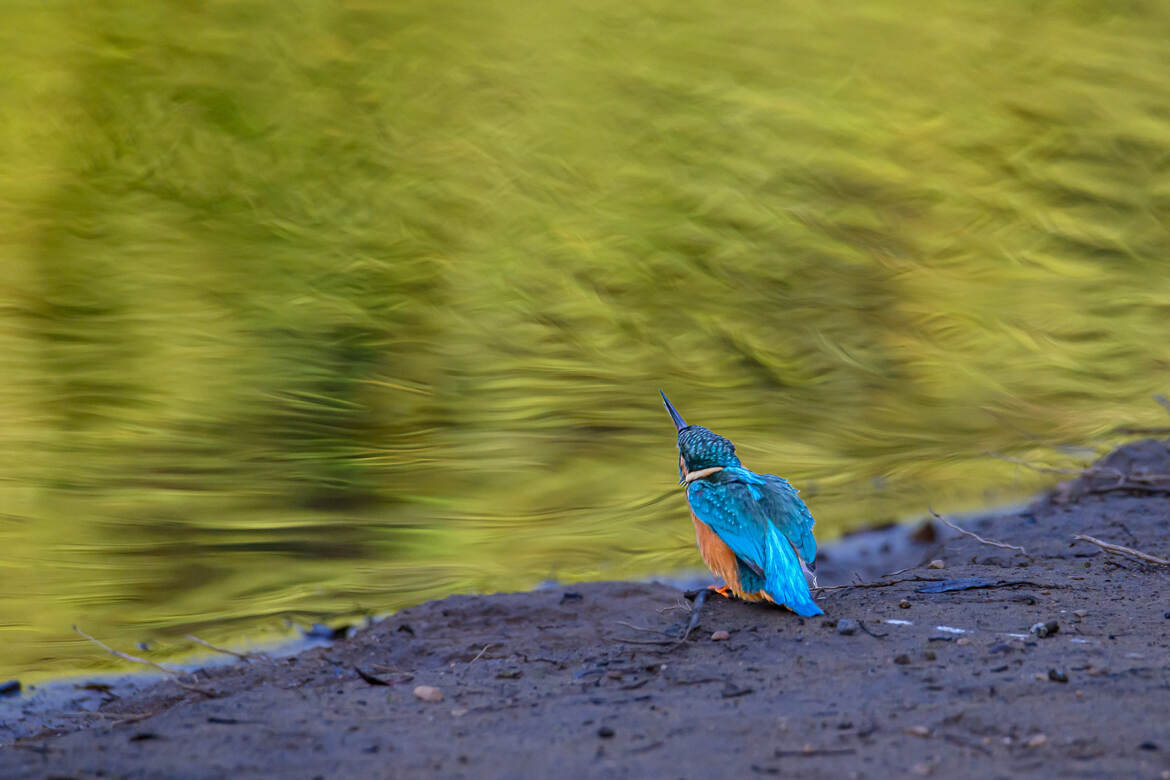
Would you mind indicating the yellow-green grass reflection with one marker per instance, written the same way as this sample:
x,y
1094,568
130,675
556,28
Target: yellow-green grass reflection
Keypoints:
x,y
335,307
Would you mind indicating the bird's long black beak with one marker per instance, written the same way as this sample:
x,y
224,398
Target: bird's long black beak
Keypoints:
x,y
674,415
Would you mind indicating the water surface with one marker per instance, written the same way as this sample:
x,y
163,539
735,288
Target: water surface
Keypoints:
x,y
335,307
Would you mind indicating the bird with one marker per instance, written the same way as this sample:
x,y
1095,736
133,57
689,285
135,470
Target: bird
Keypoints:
x,y
753,530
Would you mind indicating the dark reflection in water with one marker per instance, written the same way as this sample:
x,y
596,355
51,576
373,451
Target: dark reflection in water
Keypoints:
x,y
334,311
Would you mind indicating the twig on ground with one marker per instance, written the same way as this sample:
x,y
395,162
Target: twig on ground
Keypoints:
x,y
135,659
127,656
242,656
671,644
886,584
866,630
479,655
1120,550
700,600
975,536
683,605
137,717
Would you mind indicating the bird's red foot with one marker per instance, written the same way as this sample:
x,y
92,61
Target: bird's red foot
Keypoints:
x,y
724,591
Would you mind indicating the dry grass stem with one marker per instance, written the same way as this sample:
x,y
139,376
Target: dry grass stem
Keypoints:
x,y
977,537
242,656
135,659
1120,550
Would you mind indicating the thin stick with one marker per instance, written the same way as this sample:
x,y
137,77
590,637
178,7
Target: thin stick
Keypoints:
x,y
135,659
479,655
915,578
1119,550
975,536
242,656
127,656
680,605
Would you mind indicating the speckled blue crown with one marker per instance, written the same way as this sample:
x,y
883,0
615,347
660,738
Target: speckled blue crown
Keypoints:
x,y
701,448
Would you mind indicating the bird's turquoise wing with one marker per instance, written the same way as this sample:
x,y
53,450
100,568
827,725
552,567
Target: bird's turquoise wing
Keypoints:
x,y
791,517
733,513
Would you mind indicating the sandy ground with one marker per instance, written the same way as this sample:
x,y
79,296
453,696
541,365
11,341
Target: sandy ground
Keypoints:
x,y
931,671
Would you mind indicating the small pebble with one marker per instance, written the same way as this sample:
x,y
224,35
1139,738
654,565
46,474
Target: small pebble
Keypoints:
x,y
936,564
458,712
918,731
1058,675
720,636
605,732
904,604
1080,612
929,655
508,674
1047,628
1167,616
963,640
10,688
1039,740
846,626
924,769
428,693
902,659
1147,746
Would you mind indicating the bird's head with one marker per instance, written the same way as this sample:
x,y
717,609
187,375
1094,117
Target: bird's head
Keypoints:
x,y
699,448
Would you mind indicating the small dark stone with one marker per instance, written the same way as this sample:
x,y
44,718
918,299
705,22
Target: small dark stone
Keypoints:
x,y
405,629
570,596
1058,675
904,604
143,736
1047,628
371,749
1167,616
929,655
846,626
508,674
1148,746
605,732
10,688
1000,647
902,659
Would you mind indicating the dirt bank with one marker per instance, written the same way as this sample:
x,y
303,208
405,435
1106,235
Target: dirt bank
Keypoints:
x,y
932,671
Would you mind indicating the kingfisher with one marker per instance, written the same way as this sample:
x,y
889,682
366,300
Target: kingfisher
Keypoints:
x,y
753,530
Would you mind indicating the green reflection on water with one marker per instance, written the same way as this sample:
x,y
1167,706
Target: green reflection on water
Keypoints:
x,y
341,306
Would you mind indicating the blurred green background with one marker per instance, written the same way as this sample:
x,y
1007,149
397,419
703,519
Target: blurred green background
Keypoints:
x,y
324,307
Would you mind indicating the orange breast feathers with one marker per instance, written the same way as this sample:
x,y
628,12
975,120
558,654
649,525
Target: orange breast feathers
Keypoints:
x,y
720,559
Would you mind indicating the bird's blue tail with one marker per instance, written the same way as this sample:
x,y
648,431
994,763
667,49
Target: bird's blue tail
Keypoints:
x,y
784,579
